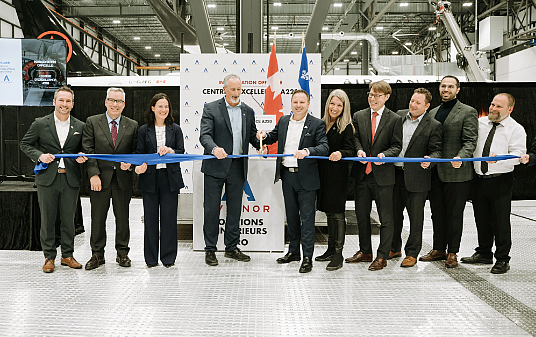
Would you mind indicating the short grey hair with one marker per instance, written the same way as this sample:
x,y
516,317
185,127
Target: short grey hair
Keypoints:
x,y
115,89
226,79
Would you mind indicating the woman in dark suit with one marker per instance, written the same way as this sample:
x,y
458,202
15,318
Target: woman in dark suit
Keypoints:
x,y
334,174
160,184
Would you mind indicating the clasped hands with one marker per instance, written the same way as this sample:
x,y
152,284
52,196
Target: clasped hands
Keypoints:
x,y
140,169
299,154
48,158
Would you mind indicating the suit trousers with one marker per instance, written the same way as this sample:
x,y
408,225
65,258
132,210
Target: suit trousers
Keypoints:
x,y
100,203
447,202
492,200
234,190
162,202
300,211
61,194
414,203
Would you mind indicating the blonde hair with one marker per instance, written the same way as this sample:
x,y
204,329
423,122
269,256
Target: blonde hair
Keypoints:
x,y
344,118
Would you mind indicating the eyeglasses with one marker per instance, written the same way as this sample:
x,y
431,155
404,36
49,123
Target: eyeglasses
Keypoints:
x,y
112,101
374,95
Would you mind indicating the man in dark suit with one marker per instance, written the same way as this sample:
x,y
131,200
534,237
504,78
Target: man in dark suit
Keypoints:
x,y
378,132
58,184
451,182
302,135
227,127
421,137
110,133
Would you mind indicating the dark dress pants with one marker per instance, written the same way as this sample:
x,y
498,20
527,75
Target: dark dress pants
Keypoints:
x,y
100,203
447,202
234,190
59,193
366,190
414,203
300,212
162,202
492,200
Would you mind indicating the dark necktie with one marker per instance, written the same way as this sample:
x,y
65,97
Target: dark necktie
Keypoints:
x,y
114,131
487,147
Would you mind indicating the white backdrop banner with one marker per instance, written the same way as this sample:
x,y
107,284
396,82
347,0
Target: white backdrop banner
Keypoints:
x,y
11,72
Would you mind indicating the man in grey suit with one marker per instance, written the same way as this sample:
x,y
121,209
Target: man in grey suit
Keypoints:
x,y
227,127
451,182
110,133
58,184
421,137
301,135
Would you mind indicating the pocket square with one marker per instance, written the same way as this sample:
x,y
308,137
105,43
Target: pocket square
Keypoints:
x,y
76,133
307,134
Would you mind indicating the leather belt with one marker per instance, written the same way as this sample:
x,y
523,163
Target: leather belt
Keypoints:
x,y
291,169
61,170
489,176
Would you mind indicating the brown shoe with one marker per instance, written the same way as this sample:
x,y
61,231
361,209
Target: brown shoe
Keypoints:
x,y
409,261
433,255
378,264
359,257
452,261
71,262
48,267
392,255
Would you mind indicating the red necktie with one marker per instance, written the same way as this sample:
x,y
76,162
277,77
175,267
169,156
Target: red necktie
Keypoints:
x,y
372,131
114,131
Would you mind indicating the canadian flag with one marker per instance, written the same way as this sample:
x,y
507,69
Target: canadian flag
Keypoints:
x,y
273,104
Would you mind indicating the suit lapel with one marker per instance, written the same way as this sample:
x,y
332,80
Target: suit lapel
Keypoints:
x,y
120,131
306,128
422,125
284,129
244,140
71,130
452,114
103,123
52,125
151,132
383,120
169,136
225,113
367,123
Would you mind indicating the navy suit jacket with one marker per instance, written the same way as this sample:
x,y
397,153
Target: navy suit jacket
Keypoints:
x,y
147,144
313,138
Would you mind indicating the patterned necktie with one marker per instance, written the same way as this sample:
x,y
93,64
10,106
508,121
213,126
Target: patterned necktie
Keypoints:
x,y
368,169
487,147
114,131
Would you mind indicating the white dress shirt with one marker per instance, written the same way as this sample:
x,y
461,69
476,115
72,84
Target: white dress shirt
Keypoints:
x,y
509,138
378,118
294,131
160,141
62,129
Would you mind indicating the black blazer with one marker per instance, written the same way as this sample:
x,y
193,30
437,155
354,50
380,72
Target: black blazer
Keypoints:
x,y
147,144
313,138
216,131
387,140
426,141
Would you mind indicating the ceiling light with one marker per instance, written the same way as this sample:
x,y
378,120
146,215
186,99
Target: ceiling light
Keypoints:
x,y
275,28
318,43
136,37
337,68
395,53
147,47
116,21
404,4
346,60
337,4
168,64
277,4
354,53
467,4
360,43
379,28
225,44
408,43
220,28
432,28
211,6
156,55
325,28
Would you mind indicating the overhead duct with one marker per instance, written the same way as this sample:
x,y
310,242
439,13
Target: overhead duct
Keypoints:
x,y
374,48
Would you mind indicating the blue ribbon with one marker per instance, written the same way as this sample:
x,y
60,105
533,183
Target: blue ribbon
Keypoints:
x,y
155,158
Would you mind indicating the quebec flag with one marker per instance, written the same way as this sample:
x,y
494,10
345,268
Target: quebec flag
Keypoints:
x,y
303,78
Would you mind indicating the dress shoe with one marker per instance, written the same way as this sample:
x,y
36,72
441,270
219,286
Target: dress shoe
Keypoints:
x,y
169,265
48,267
476,258
378,264
336,262
409,261
210,258
151,265
433,255
94,262
71,262
237,255
289,257
392,255
500,267
359,257
326,256
307,265
123,260
452,261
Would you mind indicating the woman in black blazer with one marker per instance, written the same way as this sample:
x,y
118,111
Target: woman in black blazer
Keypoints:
x,y
160,184
334,174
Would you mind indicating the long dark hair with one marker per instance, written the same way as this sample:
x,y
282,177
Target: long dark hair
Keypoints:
x,y
149,113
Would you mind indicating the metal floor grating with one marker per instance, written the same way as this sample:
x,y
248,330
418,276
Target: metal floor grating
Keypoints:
x,y
262,298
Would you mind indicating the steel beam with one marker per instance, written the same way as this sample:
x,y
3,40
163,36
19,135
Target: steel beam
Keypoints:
x,y
251,22
109,11
316,22
202,27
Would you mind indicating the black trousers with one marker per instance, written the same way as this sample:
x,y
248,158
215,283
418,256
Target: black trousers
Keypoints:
x,y
447,202
234,190
413,202
492,199
100,203
61,194
365,191
300,212
162,202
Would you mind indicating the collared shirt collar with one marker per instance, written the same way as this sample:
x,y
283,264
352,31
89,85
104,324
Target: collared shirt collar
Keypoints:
x,y
408,117
231,107
292,120
380,112
504,122
57,120
118,119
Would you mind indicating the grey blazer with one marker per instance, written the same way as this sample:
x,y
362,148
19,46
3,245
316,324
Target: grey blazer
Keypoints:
x,y
460,134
